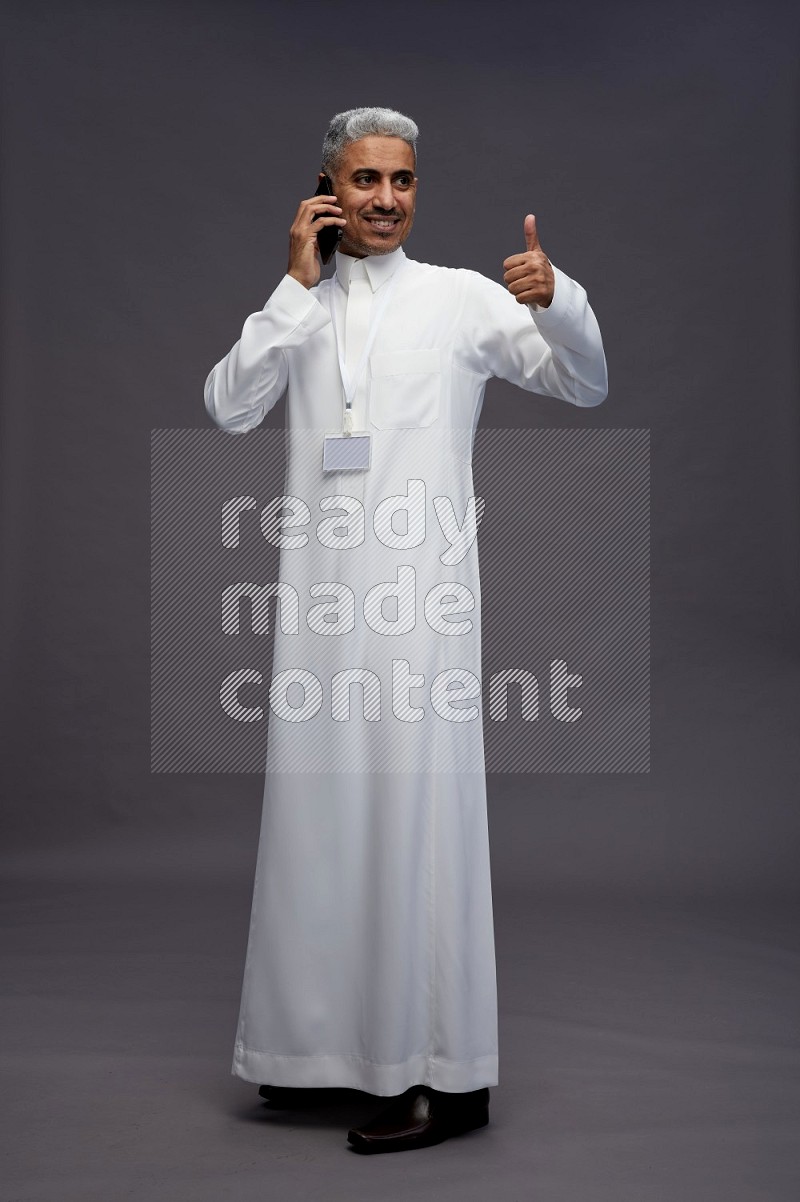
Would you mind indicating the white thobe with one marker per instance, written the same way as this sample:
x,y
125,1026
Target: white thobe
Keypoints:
x,y
370,960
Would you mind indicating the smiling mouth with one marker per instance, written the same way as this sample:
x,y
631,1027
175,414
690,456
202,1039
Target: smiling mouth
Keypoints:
x,y
383,224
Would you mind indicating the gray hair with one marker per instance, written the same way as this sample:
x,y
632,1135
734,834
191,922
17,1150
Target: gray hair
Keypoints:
x,y
353,124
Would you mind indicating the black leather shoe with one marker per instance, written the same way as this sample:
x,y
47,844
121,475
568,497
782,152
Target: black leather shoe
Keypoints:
x,y
420,1117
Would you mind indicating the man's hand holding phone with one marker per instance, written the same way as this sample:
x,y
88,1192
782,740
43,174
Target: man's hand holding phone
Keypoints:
x,y
314,215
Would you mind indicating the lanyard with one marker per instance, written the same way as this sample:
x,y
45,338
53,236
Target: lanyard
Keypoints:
x,y
350,384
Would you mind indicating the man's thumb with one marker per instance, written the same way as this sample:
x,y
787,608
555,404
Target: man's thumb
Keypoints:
x,y
531,237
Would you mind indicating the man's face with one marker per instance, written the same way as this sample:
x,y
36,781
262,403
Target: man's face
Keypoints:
x,y
377,190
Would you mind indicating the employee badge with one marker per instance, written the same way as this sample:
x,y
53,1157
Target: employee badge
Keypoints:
x,y
347,452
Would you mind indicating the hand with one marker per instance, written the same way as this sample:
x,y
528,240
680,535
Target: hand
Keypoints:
x,y
530,278
304,259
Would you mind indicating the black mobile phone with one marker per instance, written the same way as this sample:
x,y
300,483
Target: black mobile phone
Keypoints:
x,y
329,236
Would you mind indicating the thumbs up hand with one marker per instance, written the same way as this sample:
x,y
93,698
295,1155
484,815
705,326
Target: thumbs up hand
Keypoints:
x,y
529,277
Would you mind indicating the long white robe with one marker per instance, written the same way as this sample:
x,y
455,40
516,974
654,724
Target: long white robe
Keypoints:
x,y
370,959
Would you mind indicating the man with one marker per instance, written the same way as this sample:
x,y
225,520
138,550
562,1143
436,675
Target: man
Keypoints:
x,y
370,961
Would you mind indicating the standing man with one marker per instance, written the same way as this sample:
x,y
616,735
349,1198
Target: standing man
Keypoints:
x,y
370,960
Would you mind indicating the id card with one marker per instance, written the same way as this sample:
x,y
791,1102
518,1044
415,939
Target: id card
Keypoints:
x,y
347,452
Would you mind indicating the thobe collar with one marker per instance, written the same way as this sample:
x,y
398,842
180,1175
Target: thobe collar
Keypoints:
x,y
379,268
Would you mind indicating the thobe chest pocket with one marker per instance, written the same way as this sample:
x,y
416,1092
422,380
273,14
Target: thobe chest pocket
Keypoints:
x,y
405,388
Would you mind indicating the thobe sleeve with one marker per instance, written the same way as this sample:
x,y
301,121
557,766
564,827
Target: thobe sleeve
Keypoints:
x,y
242,388
556,351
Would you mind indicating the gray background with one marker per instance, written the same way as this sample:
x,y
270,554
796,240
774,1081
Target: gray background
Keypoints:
x,y
153,157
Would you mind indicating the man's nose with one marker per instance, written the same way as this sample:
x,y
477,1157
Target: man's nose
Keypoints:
x,y
385,195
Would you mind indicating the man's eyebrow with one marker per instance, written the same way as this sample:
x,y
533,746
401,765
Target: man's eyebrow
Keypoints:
x,y
375,171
